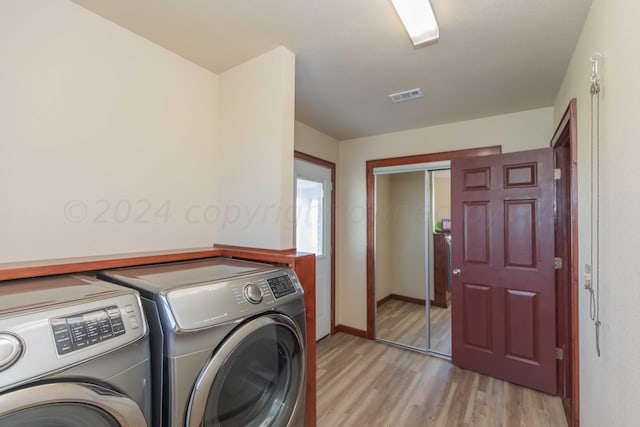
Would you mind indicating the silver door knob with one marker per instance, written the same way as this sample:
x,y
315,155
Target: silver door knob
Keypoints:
x,y
456,272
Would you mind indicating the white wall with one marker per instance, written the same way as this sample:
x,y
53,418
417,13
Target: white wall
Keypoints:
x,y
515,132
609,384
106,139
400,235
407,234
384,265
441,192
255,179
315,143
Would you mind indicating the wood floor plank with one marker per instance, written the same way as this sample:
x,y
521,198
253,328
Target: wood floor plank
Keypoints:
x,y
406,323
366,383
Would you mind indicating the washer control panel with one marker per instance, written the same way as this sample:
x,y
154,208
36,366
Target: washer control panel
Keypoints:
x,y
53,337
85,329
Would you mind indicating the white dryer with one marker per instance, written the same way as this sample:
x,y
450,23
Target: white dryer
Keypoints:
x,y
228,340
74,351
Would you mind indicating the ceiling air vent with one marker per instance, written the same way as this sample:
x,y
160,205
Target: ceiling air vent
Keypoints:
x,y
406,95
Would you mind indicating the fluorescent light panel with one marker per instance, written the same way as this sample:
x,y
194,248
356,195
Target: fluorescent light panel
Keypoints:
x,y
419,20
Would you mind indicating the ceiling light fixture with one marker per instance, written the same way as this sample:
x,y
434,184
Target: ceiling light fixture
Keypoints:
x,y
419,20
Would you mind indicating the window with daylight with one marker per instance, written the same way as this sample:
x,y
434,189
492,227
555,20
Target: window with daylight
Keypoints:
x,y
309,208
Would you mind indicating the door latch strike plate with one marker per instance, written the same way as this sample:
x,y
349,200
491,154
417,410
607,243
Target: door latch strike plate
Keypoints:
x,y
559,353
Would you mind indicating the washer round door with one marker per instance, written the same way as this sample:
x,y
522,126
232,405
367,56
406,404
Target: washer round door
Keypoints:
x,y
68,405
255,378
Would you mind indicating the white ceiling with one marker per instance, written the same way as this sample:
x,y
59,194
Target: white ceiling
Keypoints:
x,y
493,56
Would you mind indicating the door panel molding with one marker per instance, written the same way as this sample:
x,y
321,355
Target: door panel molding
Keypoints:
x,y
477,179
477,317
520,240
522,175
473,248
521,308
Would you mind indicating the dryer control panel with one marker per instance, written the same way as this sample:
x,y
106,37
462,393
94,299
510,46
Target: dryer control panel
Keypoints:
x,y
206,304
281,286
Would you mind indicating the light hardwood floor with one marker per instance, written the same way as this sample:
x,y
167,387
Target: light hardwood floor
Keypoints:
x,y
366,383
405,323
402,322
441,329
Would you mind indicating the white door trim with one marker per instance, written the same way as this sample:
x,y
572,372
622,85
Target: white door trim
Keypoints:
x,y
332,168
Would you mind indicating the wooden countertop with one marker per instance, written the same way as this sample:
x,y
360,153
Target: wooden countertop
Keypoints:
x,y
21,270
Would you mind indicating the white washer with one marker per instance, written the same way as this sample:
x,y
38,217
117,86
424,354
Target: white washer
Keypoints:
x,y
228,341
74,351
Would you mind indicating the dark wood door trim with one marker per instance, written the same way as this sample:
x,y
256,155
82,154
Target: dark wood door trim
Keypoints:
x,y
313,159
564,143
332,167
398,161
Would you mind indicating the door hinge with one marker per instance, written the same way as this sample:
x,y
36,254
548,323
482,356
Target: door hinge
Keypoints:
x,y
557,263
557,174
559,353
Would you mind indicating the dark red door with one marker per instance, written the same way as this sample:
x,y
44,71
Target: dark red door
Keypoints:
x,y
503,297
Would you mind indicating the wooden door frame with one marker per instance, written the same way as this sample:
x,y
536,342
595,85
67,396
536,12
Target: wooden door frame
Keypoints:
x,y
565,138
331,166
399,161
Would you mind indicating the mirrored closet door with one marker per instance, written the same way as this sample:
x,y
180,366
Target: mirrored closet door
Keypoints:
x,y
412,257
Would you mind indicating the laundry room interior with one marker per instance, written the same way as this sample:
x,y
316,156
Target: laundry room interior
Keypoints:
x,y
284,214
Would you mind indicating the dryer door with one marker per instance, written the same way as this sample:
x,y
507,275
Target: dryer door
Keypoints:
x,y
255,378
68,405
